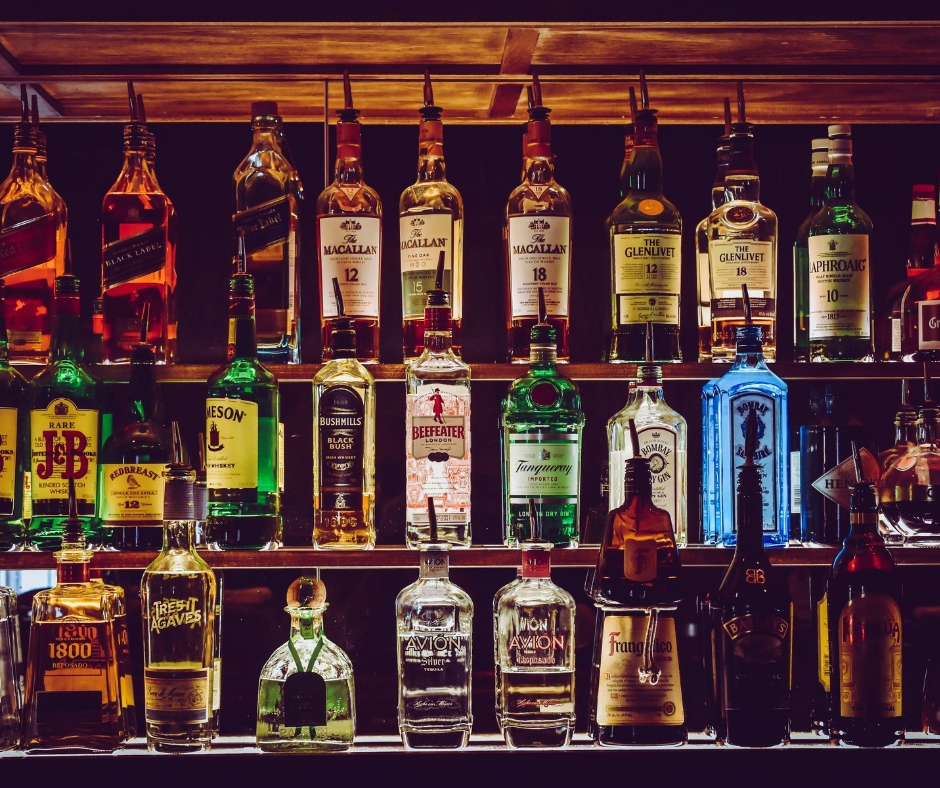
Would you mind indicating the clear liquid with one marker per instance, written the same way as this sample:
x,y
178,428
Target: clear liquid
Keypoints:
x,y
537,707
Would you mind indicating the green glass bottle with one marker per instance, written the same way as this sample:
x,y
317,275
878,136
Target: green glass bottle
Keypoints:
x,y
242,441
14,441
541,436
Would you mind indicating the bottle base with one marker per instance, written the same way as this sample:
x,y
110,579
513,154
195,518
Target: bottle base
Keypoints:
x,y
521,736
177,746
640,735
301,746
261,532
437,740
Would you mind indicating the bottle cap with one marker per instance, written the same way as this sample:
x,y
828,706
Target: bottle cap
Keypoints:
x,y
178,491
821,143
924,191
306,593
543,334
348,113
437,312
637,476
343,333
264,108
840,130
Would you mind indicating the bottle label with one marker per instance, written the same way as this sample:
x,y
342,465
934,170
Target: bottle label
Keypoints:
x,y
73,662
924,212
643,309
27,495
216,682
839,287
659,446
647,269
822,643
27,244
536,563
639,557
543,465
177,696
132,493
342,442
435,665
796,498
304,700
768,423
539,256
134,256
65,446
836,483
621,698
350,252
756,671
232,438
423,238
869,638
8,446
439,424
535,641
896,334
280,456
928,326
265,225
738,262
434,563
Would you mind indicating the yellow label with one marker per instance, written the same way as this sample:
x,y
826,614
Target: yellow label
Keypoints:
x,y
822,642
27,495
7,458
869,640
216,684
64,445
280,456
132,493
177,695
741,261
231,444
647,263
621,698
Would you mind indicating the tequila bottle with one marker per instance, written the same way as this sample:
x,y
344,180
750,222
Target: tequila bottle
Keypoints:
x,y
343,444
138,252
306,697
541,436
14,441
748,385
437,429
537,232
430,219
435,619
840,312
349,240
268,192
496,671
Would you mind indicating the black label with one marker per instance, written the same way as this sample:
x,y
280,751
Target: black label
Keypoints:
x,y
27,244
134,257
82,707
265,225
304,700
342,431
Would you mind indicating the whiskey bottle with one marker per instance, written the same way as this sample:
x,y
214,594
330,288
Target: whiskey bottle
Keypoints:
x,y
306,697
430,219
645,252
537,230
742,249
14,441
178,600
343,444
138,253
33,224
541,424
664,439
820,167
840,312
73,687
135,456
435,619
268,193
752,623
242,407
64,403
437,429
349,240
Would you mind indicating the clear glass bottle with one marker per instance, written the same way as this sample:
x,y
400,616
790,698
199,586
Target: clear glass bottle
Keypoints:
x,y
905,439
496,598
11,701
306,696
14,442
343,444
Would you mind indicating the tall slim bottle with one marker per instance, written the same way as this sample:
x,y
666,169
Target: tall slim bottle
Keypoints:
x,y
14,442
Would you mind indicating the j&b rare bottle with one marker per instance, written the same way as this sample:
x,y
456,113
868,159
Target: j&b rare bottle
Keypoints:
x,y
14,442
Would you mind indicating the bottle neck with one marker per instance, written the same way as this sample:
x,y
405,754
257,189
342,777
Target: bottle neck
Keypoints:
x,y
646,162
649,392
927,430
70,571
742,181
817,189
243,342
179,536
750,511
431,151
434,564
24,160
144,394
905,431
438,341
265,135
305,624
539,169
863,527
840,182
543,357
348,152
67,330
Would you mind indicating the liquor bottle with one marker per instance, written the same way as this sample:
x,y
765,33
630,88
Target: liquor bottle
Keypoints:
x,y
664,438
742,249
865,633
435,619
10,690
343,444
214,720
349,239
820,166
535,638
242,408
135,456
537,232
748,385
905,439
178,601
723,156
636,692
920,314
306,697
923,254
14,441
437,429
839,291
73,686
752,622
65,426
268,193
541,436
496,599
33,224
645,252
430,218
138,253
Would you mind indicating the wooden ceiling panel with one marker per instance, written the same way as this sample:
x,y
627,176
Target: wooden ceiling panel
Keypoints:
x,y
394,99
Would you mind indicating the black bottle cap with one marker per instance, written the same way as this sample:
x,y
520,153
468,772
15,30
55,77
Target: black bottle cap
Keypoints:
x,y
260,109
178,493
429,111
543,333
343,334
536,110
437,311
646,115
348,114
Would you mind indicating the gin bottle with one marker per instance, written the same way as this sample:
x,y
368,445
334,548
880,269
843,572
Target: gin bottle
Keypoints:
x,y
14,442
541,436
748,385
306,697
435,619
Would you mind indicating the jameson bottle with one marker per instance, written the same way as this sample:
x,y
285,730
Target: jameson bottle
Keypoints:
x,y
645,252
349,240
537,232
840,312
14,442
430,220
752,622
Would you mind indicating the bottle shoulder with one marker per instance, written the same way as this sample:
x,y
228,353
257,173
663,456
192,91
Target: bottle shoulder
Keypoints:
x,y
431,592
632,214
536,593
553,200
430,197
346,371
238,373
841,218
439,367
68,379
334,201
739,218
137,439
178,562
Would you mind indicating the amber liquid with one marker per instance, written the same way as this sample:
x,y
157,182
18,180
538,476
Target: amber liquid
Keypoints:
x,y
413,337
520,331
726,338
367,338
345,529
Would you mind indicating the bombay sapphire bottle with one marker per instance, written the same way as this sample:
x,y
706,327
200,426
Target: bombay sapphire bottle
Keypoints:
x,y
748,385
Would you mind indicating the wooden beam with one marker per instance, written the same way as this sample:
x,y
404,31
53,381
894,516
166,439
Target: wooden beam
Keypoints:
x,y
9,67
517,57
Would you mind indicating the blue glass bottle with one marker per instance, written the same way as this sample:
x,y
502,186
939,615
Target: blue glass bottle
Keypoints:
x,y
748,385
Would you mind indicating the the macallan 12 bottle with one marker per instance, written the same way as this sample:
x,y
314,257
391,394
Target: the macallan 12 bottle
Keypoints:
x,y
538,241
349,240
